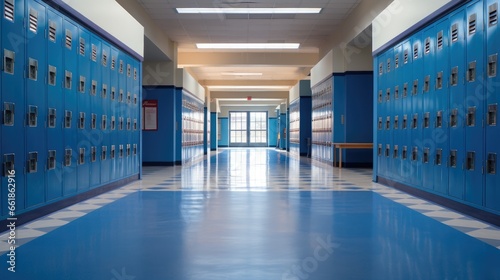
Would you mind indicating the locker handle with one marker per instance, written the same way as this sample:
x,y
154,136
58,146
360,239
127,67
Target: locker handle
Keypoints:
x,y
51,160
492,114
52,75
438,160
491,164
93,154
471,72
52,118
104,150
9,58
32,116
470,163
9,165
453,159
492,65
32,162
68,153
33,69
81,157
8,114
439,80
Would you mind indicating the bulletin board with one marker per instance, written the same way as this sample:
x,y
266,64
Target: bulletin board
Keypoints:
x,y
150,115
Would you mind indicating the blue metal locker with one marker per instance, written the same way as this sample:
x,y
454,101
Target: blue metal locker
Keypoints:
x,y
104,110
382,113
406,138
389,112
13,99
70,83
55,106
442,103
136,116
492,129
416,119
36,71
95,59
86,89
120,114
475,96
128,159
397,113
428,142
456,114
114,109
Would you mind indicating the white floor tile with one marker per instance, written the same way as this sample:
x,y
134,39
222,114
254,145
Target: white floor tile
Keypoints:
x,y
410,201
466,223
486,233
444,214
46,223
430,207
67,214
28,233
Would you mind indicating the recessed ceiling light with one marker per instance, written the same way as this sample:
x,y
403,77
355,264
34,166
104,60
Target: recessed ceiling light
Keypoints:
x,y
250,87
248,10
240,74
263,46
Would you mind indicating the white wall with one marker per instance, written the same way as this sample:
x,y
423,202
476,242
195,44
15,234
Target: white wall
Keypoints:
x,y
323,69
114,19
399,17
190,84
224,110
294,92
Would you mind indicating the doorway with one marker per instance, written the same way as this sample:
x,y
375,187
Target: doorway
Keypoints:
x,y
248,129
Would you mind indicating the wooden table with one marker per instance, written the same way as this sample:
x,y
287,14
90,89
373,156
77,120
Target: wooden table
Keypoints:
x,y
341,146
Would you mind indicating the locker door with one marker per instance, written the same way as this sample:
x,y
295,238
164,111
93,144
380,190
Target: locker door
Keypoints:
x,y
128,117
398,112
376,112
95,105
389,113
102,163
36,71
492,181
86,91
137,96
457,99
442,103
382,113
416,118
115,107
13,99
71,82
407,78
121,113
429,99
475,96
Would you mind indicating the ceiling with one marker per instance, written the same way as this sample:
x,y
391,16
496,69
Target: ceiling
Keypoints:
x,y
310,30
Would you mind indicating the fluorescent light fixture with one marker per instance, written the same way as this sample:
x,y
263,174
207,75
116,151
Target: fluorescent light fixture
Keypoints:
x,y
240,74
248,10
250,87
254,46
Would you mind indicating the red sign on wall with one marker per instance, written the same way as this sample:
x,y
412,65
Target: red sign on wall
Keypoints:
x,y
150,115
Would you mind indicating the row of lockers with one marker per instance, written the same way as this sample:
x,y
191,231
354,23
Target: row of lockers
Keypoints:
x,y
322,121
436,99
58,78
294,126
193,125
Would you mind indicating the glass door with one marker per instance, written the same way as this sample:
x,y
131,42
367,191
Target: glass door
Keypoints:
x,y
248,129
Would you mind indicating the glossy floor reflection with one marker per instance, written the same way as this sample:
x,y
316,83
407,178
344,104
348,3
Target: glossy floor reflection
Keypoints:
x,y
182,223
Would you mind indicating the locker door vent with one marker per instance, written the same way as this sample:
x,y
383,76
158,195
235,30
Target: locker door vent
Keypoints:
x,y
439,157
113,63
69,40
82,47
470,164
472,24
52,118
51,160
440,40
404,154
381,69
52,31
8,10
94,53
32,164
415,51
104,59
396,92
33,25
68,153
428,45
454,33
492,114
396,61
388,65
406,56
493,14
492,164
104,150
8,164
492,65
395,153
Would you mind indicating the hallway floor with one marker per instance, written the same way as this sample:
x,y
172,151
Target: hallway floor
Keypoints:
x,y
257,214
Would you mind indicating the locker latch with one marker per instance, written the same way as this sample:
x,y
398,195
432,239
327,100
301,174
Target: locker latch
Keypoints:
x,y
128,150
129,98
93,122
470,163
415,87
492,114
439,119
405,90
68,115
387,150
414,154
81,156
93,154
405,121
33,69
120,151
425,158
113,123
129,124
32,116
135,124
404,154
113,93
68,154
120,97
8,113
406,56
52,75
93,89
103,122
388,95
453,158
52,118
396,61
415,121
81,122
380,98
381,69
427,120
471,116
427,83
396,92
454,76
135,99
454,118
104,93
8,165
68,76
396,122
388,65
492,65
32,162
9,58
51,160
112,155
439,157
396,151
471,72
135,149
104,150
492,164
120,123
388,123
439,80
379,150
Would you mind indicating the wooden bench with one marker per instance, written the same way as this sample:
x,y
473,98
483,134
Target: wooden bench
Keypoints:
x,y
341,146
